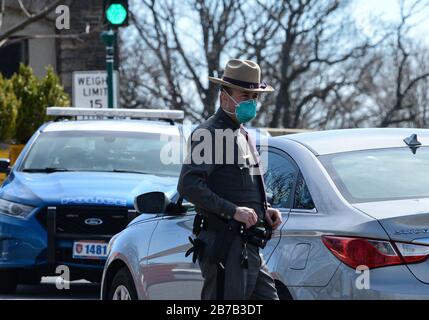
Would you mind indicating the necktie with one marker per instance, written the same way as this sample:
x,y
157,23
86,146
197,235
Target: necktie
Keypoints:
x,y
256,164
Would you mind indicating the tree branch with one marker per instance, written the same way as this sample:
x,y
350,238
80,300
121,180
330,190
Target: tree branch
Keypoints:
x,y
18,27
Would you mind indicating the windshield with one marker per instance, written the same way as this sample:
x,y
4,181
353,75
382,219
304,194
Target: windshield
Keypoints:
x,y
382,174
105,151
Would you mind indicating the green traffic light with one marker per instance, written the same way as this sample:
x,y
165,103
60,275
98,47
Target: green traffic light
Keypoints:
x,y
116,14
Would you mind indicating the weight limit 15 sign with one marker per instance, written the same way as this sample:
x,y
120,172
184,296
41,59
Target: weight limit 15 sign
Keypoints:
x,y
90,89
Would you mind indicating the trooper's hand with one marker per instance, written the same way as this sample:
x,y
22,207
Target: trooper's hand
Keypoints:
x,y
274,218
246,215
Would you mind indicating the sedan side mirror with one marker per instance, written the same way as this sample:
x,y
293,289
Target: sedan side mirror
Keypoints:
x,y
4,166
157,202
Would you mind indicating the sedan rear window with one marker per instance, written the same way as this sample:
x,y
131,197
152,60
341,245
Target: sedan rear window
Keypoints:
x,y
381,174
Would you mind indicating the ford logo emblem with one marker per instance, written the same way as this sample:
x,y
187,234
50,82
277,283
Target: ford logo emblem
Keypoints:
x,y
93,221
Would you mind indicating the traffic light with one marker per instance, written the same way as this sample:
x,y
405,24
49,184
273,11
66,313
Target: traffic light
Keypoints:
x,y
116,13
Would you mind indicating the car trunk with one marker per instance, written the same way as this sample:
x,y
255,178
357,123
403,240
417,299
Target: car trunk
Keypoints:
x,y
404,221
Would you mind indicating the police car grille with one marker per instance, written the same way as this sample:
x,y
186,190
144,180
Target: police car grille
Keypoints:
x,y
91,220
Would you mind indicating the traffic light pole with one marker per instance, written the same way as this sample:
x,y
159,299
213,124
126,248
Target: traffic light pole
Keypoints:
x,y
109,38
115,15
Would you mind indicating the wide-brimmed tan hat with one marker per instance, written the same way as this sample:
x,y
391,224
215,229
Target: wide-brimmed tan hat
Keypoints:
x,y
243,75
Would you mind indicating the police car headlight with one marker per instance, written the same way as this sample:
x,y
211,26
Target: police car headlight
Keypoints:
x,y
16,210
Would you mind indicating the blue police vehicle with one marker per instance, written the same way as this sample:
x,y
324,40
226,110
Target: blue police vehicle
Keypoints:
x,y
73,188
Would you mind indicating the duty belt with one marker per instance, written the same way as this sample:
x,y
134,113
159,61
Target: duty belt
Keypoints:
x,y
257,235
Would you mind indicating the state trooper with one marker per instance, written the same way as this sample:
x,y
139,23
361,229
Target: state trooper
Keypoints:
x,y
233,218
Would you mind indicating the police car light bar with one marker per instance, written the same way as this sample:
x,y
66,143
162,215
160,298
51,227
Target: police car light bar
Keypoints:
x,y
116,113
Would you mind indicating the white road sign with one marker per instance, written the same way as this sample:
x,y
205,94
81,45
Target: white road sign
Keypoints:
x,y
90,89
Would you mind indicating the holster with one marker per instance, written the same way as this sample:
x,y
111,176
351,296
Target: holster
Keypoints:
x,y
258,236
197,249
225,231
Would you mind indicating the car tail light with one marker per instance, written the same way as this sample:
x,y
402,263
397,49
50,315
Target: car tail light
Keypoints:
x,y
374,253
413,253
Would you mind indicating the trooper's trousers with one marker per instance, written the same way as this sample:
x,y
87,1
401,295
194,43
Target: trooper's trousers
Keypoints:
x,y
252,283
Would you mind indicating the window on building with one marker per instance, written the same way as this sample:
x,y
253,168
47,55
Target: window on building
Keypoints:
x,y
12,54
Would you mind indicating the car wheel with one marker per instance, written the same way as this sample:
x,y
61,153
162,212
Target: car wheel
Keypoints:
x,y
122,287
283,291
8,282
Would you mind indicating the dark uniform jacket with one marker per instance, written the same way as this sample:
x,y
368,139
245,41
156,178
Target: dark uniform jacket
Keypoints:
x,y
214,186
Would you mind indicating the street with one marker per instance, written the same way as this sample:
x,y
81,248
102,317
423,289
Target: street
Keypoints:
x,y
46,290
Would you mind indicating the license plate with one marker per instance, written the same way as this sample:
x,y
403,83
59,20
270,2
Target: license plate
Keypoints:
x,y
89,250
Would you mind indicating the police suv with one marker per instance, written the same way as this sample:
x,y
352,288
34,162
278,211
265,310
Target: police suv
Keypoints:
x,y
73,188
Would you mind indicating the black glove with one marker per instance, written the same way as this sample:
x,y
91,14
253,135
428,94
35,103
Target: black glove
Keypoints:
x,y
197,249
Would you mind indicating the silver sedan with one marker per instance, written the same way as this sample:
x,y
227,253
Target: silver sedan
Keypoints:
x,y
355,206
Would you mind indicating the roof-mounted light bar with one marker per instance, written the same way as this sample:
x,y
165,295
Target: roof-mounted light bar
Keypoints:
x,y
116,113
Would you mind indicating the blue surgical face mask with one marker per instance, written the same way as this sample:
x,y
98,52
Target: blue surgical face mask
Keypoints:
x,y
245,111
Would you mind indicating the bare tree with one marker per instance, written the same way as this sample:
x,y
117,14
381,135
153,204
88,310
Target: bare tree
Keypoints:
x,y
182,44
141,84
391,92
45,8
326,71
402,97
303,46
391,89
422,95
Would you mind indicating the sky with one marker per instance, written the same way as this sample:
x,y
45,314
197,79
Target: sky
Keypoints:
x,y
389,11
363,12
385,10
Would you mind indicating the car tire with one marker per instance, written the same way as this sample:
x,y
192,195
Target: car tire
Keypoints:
x,y
283,291
8,282
122,287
